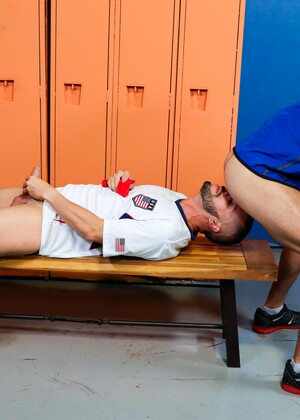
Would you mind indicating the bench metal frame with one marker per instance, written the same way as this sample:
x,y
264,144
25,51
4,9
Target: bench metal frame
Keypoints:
x,y
198,263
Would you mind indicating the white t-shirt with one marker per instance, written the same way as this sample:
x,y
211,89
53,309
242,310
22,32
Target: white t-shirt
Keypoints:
x,y
148,223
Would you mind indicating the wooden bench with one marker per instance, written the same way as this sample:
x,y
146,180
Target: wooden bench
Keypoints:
x,y
200,262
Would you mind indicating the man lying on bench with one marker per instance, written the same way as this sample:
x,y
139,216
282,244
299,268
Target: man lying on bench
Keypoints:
x,y
151,222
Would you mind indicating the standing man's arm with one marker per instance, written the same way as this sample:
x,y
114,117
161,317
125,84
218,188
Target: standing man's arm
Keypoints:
x,y
81,220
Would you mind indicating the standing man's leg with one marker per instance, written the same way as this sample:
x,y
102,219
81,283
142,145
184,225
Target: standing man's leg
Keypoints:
x,y
275,206
291,375
288,270
297,351
275,315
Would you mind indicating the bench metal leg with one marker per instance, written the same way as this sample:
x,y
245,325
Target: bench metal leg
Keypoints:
x,y
229,319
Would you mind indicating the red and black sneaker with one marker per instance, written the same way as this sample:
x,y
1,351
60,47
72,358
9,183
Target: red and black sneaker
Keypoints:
x,y
290,380
265,324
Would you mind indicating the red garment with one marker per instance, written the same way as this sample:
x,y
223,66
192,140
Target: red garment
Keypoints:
x,y
123,187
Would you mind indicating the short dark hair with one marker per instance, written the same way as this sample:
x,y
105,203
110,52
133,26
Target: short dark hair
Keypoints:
x,y
237,236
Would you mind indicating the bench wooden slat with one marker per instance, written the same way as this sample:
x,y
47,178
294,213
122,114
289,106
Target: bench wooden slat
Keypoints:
x,y
250,260
257,253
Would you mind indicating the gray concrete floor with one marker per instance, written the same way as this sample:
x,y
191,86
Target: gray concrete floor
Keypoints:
x,y
53,371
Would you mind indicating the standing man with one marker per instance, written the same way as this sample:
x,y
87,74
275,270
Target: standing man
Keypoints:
x,y
263,177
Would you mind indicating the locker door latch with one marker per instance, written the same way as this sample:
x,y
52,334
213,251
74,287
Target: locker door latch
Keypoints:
x,y
198,99
135,96
72,94
6,90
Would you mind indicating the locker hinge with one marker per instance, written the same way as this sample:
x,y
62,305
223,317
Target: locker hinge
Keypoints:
x,y
107,96
170,101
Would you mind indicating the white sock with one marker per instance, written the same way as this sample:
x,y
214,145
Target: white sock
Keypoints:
x,y
295,366
272,311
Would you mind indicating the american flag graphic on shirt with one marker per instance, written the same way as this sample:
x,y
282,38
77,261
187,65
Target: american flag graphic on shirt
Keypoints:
x,y
120,244
144,202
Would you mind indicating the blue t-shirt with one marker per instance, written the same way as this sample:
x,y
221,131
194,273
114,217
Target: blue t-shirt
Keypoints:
x,y
273,151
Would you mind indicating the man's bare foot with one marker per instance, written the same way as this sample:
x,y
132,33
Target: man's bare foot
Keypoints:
x,y
25,198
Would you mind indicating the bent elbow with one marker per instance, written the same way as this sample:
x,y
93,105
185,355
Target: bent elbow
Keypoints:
x,y
93,235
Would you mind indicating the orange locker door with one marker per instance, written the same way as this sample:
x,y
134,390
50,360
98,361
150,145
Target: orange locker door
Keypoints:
x,y
22,90
210,51
79,57
143,85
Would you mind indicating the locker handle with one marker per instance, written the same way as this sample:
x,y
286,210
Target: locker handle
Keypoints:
x,y
135,96
198,99
72,94
6,90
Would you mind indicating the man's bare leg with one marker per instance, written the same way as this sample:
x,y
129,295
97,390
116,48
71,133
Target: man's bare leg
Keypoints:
x,y
20,229
288,271
291,375
7,195
297,350
275,315
275,206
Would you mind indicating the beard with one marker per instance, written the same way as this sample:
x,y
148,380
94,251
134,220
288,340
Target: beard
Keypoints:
x,y
207,202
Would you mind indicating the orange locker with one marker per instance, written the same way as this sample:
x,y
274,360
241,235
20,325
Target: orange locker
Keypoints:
x,y
146,34
79,85
22,90
145,85
207,90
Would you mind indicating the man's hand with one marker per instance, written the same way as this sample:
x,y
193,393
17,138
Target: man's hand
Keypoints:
x,y
114,180
24,197
36,188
